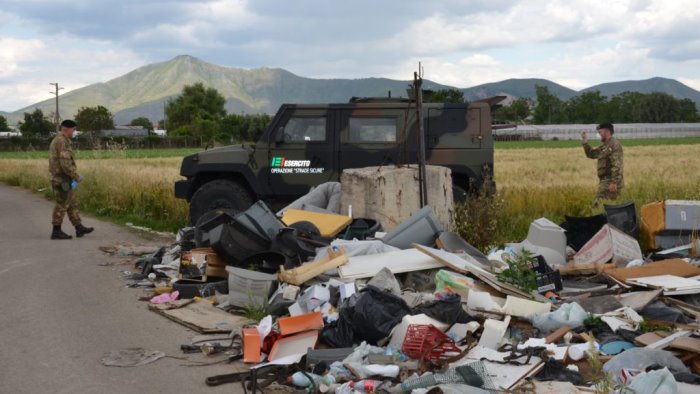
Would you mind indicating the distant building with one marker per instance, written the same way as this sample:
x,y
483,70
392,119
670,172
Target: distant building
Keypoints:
x,y
125,131
8,134
160,132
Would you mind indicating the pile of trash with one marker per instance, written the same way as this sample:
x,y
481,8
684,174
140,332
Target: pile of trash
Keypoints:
x,y
308,299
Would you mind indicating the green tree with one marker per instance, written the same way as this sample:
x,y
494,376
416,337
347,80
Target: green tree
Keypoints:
x,y
520,109
447,96
588,107
688,110
549,109
658,107
94,119
3,124
624,107
36,124
205,129
144,122
244,127
195,104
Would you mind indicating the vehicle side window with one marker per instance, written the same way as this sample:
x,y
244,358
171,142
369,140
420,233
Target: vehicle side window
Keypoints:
x,y
372,130
305,129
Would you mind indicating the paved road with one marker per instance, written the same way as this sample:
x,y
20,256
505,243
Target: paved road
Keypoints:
x,y
61,311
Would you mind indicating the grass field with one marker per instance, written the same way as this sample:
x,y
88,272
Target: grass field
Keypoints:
x,y
533,180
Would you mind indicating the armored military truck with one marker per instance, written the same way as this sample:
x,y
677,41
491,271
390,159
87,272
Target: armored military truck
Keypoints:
x,y
306,145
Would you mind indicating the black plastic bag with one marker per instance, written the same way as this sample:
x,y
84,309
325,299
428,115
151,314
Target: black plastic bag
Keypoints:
x,y
448,310
555,371
369,315
338,334
376,313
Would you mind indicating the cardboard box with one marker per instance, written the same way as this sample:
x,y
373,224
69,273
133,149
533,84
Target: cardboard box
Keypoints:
x,y
609,244
301,323
251,345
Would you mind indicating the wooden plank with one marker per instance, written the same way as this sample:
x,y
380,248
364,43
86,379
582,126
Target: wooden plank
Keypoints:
x,y
328,224
676,267
308,271
649,338
662,343
204,318
558,334
686,343
572,268
397,262
639,299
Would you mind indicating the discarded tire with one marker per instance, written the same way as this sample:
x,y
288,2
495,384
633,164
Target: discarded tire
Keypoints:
x,y
191,288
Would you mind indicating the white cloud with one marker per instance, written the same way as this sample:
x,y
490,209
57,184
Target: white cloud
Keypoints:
x,y
693,83
577,43
15,52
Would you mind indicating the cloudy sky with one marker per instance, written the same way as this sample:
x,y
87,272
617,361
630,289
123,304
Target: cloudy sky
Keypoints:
x,y
576,43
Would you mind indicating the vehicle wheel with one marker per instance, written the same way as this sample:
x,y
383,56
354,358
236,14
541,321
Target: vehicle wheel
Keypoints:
x,y
219,194
459,195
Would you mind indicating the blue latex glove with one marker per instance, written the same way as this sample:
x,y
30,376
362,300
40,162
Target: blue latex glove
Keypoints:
x,y
74,184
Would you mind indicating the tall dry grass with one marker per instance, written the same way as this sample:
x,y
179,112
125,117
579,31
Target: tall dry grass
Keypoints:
x,y
555,182
123,190
531,183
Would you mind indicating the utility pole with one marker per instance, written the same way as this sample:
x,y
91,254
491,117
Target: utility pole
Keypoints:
x,y
56,116
418,86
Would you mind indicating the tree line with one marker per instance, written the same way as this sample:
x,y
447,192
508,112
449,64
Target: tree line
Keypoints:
x,y
593,107
197,112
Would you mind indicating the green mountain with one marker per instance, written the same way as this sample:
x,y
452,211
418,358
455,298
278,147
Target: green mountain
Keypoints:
x,y
517,88
657,84
145,90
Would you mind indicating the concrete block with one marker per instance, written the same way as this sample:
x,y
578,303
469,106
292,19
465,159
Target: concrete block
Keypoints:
x,y
391,195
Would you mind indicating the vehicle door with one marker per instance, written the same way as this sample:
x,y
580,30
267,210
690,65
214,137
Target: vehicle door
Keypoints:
x,y
301,152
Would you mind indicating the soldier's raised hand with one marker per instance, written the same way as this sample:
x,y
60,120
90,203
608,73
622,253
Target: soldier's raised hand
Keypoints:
x,y
584,137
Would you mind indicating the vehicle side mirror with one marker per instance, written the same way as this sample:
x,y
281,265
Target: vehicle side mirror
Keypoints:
x,y
279,137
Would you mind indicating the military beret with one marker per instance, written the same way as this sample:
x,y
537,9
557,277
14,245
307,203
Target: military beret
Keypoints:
x,y
69,124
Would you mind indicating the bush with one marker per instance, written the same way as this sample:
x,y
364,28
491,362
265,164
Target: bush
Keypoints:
x,y
479,218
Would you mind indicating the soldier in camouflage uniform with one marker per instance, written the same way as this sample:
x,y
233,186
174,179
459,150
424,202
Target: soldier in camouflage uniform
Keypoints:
x,y
610,167
64,176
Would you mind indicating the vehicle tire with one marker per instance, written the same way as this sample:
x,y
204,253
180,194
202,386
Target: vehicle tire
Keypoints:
x,y
219,194
459,195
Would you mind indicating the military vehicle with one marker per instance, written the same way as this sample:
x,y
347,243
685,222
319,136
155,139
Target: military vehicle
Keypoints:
x,y
306,145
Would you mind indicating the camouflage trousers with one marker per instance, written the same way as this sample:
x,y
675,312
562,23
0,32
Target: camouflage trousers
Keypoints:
x,y
604,194
65,203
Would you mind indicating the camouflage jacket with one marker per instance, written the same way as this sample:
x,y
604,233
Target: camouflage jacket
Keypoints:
x,y
61,162
609,157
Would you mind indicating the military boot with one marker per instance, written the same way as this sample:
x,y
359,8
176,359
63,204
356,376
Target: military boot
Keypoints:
x,y
81,230
59,234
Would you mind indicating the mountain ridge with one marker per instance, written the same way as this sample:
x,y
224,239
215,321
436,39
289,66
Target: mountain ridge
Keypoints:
x,y
144,91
